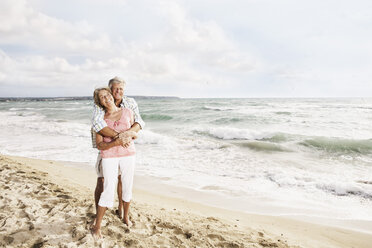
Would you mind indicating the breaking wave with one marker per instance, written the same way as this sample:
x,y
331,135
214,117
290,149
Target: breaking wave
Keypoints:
x,y
336,145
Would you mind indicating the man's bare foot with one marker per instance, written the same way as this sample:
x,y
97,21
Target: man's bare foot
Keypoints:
x,y
119,213
96,233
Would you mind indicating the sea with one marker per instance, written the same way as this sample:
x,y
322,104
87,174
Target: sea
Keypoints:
x,y
305,157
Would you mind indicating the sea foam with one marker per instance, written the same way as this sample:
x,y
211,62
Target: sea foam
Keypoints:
x,y
230,133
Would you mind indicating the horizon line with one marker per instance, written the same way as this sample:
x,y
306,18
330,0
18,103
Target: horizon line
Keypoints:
x,y
153,96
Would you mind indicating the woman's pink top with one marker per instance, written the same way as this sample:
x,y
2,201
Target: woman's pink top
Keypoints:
x,y
121,125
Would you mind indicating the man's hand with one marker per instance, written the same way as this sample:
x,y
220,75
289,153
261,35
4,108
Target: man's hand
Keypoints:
x,y
127,137
125,142
128,134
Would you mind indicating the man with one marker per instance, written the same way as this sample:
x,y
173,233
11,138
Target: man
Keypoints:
x,y
99,125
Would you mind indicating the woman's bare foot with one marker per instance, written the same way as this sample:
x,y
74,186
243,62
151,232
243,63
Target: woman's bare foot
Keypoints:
x,y
92,224
96,232
128,222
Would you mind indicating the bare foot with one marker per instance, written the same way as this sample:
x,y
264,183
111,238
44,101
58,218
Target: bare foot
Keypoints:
x,y
92,224
119,213
96,233
128,222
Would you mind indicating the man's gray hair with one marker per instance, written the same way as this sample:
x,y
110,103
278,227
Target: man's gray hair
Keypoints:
x,y
116,80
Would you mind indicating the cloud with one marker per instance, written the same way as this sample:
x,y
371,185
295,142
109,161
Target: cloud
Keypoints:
x,y
22,25
175,47
188,52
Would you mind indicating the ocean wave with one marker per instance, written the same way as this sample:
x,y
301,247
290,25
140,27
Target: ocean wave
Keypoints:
x,y
10,116
16,109
277,138
337,145
230,133
215,108
282,113
225,120
60,128
38,123
27,114
156,117
205,145
149,137
263,146
346,190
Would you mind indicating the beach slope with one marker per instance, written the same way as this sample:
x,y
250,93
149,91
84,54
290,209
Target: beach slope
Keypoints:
x,y
46,203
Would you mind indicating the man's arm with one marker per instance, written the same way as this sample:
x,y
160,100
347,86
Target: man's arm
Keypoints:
x,y
135,127
107,145
98,121
138,122
108,132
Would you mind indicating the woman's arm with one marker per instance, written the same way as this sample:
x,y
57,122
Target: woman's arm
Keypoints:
x,y
106,145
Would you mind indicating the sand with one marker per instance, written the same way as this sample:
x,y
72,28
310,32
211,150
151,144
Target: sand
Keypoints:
x,y
50,204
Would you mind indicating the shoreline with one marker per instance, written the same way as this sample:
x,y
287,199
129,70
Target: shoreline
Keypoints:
x,y
252,206
216,200
296,232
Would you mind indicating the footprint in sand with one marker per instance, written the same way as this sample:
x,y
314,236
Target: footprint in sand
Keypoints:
x,y
63,196
216,237
230,244
78,232
8,240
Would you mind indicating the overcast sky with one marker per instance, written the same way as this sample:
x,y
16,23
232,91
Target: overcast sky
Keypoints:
x,y
190,48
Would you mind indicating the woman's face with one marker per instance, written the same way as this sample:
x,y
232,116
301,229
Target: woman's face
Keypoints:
x,y
105,98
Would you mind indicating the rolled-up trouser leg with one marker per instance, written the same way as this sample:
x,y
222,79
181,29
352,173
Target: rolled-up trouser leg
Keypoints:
x,y
110,174
126,167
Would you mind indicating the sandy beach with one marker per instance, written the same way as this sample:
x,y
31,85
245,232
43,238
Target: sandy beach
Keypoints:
x,y
232,123
50,204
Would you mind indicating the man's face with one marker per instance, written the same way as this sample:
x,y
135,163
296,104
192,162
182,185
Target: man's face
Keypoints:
x,y
117,91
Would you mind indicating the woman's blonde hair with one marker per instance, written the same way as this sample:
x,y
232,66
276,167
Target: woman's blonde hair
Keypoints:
x,y
96,96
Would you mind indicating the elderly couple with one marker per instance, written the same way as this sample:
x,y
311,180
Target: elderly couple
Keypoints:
x,y
116,121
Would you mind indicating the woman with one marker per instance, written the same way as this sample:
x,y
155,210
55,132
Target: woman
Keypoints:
x,y
115,157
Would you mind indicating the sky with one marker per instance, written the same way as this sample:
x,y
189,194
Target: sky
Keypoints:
x,y
187,48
